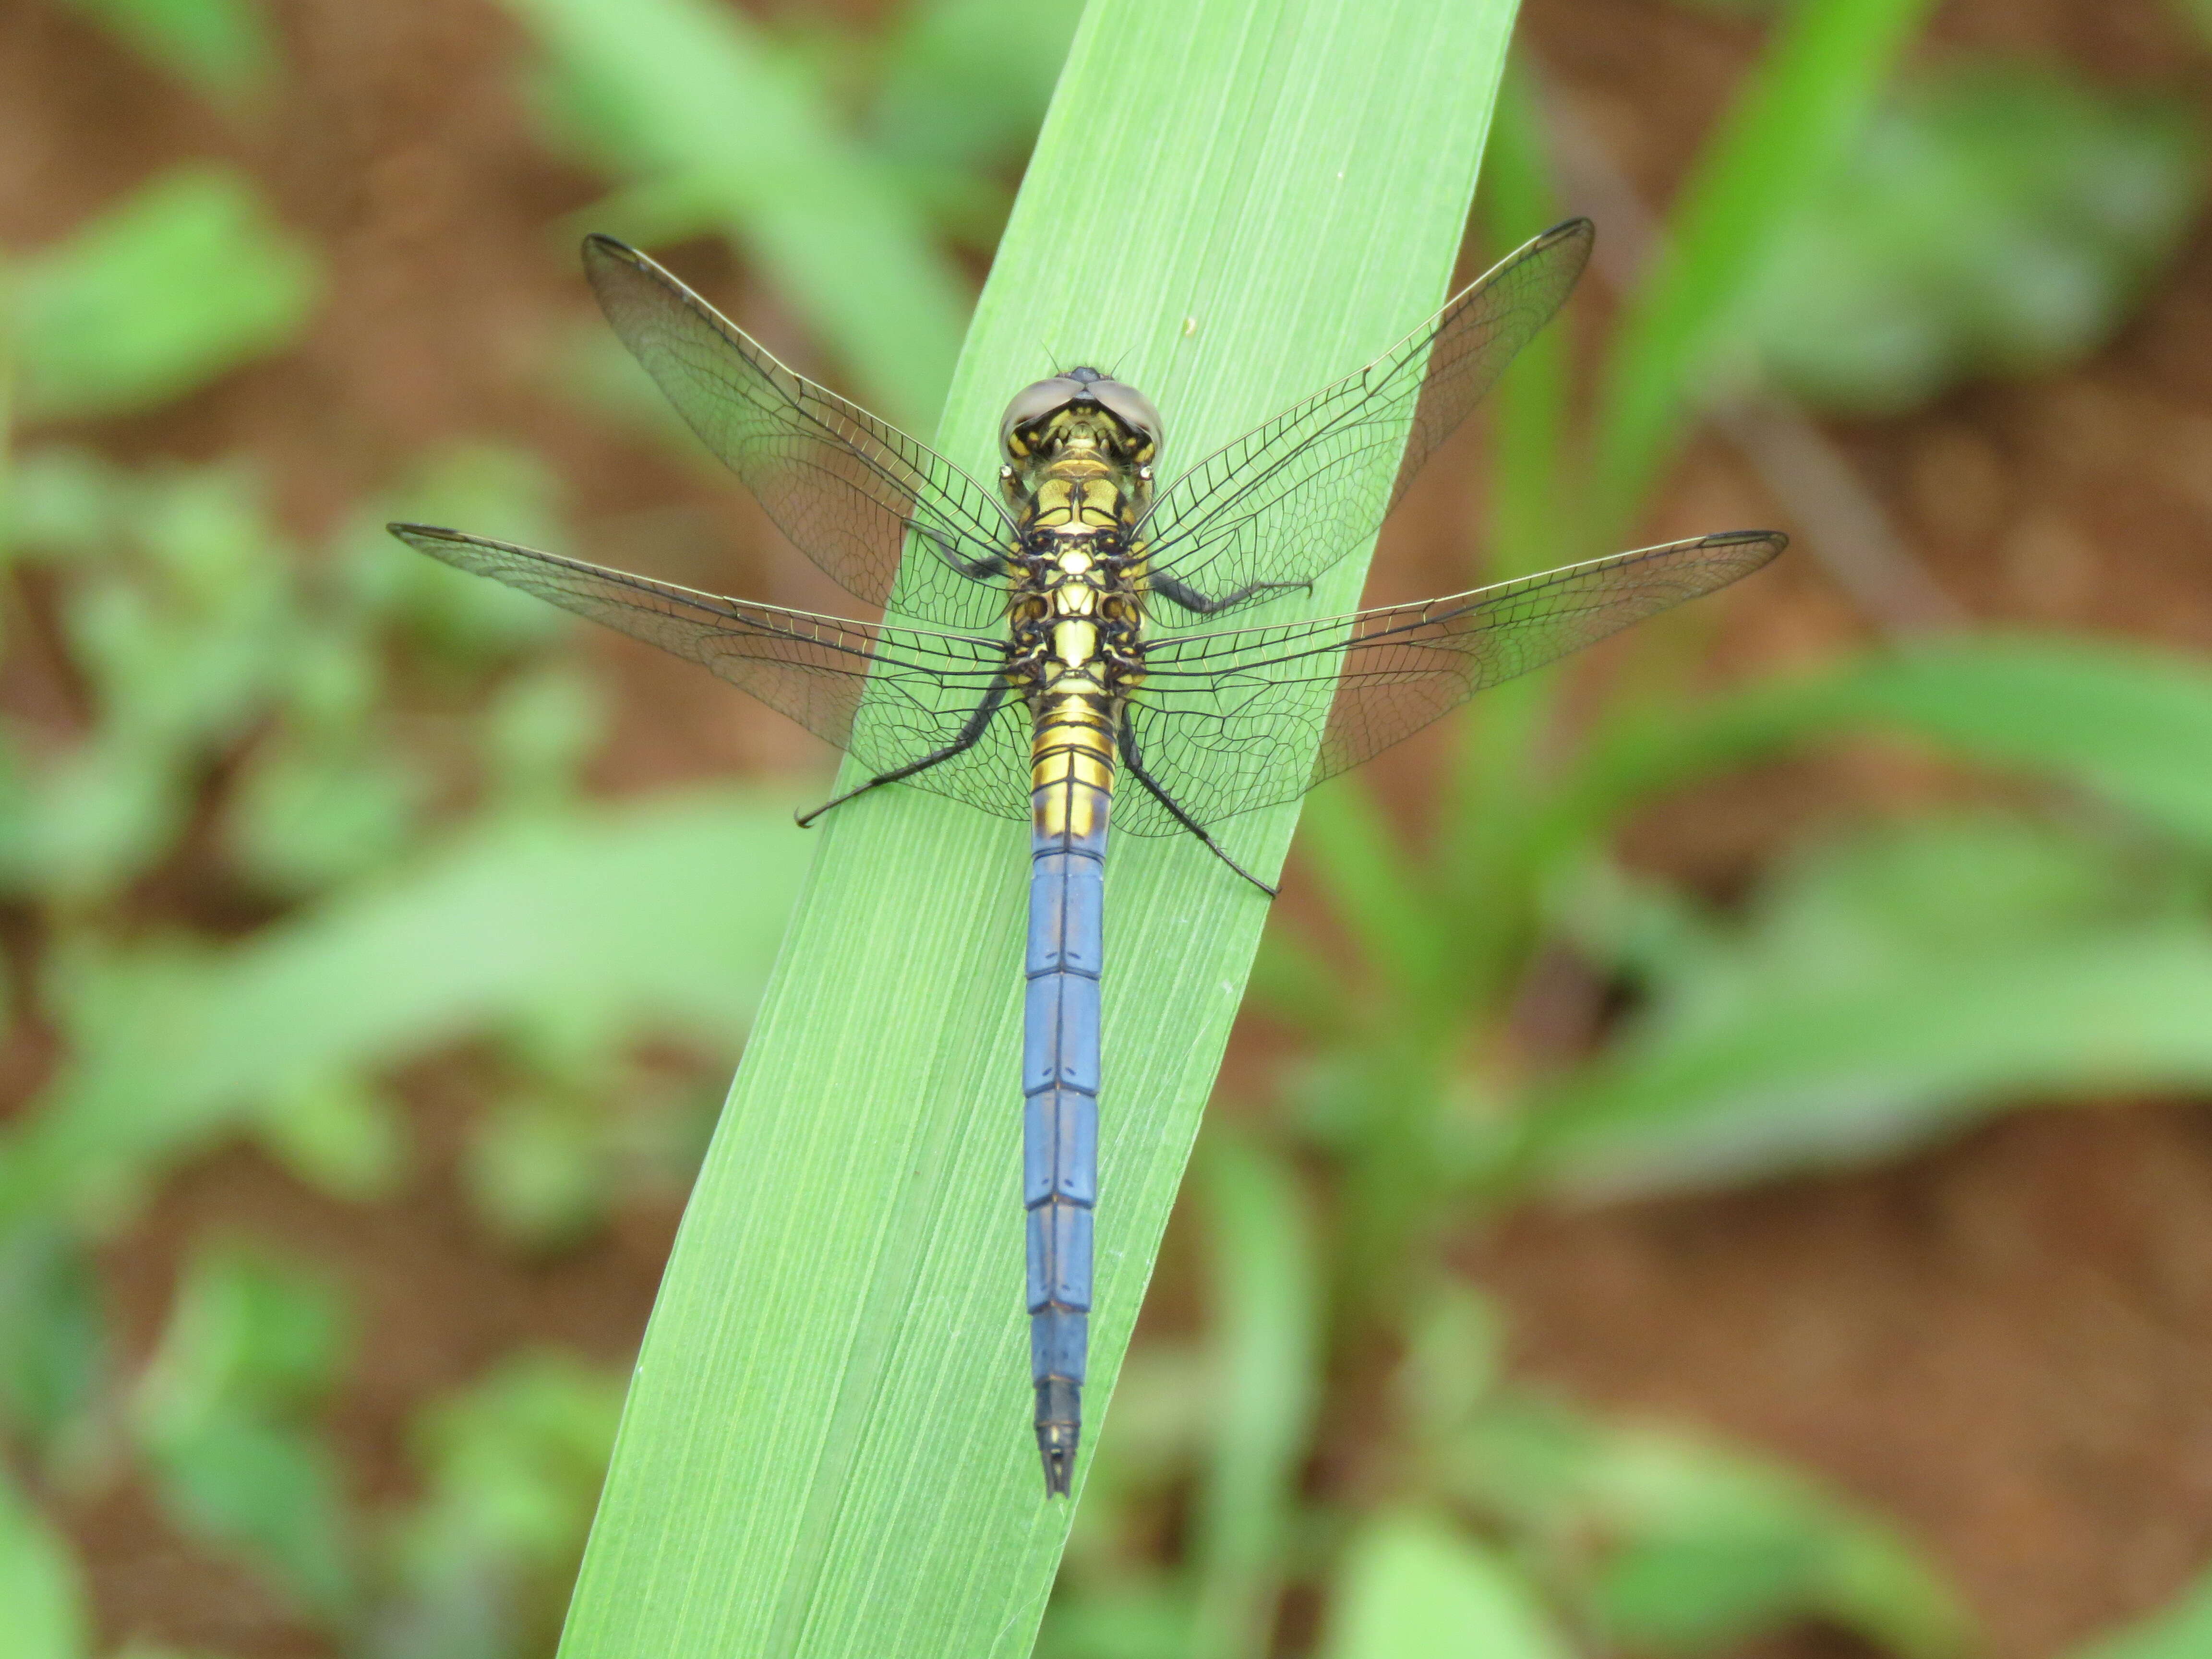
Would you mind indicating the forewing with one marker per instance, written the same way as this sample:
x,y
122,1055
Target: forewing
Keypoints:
x,y
1284,502
921,688
1230,721
846,488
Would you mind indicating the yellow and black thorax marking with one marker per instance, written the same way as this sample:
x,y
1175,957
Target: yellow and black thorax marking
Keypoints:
x,y
1079,479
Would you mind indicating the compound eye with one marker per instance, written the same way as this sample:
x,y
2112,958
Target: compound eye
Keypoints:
x,y
1033,402
1129,406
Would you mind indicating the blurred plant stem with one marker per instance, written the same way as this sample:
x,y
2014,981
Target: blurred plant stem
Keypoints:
x,y
1265,1279
692,103
1785,132
1842,525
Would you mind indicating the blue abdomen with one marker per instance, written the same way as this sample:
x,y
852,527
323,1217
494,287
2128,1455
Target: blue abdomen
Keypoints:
x,y
1060,1084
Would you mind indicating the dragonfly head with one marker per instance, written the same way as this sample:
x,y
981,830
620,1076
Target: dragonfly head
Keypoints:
x,y
1081,409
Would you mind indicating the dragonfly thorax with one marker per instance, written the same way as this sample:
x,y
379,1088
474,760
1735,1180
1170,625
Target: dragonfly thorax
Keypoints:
x,y
1078,475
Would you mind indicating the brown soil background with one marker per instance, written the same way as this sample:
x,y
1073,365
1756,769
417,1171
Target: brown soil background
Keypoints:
x,y
2005,1344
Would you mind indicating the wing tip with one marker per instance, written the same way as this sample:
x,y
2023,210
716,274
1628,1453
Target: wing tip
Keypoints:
x,y
599,244
1773,540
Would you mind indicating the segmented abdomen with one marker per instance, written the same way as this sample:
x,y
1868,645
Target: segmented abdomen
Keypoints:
x,y
1072,789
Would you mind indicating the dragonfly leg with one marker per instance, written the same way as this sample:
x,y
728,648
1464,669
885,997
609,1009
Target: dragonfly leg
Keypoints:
x,y
970,735
1183,593
976,569
1134,761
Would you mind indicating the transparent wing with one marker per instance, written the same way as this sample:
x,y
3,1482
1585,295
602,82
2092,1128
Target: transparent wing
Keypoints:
x,y
846,488
1284,502
1227,722
927,686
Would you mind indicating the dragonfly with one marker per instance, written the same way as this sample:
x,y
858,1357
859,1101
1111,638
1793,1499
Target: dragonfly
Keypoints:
x,y
1074,628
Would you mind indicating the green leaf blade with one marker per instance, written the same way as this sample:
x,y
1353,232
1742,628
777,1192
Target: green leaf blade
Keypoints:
x,y
184,281
2177,1631
1813,1075
41,1584
1779,144
225,50
1995,221
1414,1588
1267,1369
680,89
827,1448
532,915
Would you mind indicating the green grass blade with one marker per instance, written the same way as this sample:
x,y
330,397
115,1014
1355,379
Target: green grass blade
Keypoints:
x,y
181,282
1266,1290
1787,131
225,50
690,90
826,1448
1360,862
1412,1588
41,1585
664,916
2176,1631
2107,719
1847,1071
1530,410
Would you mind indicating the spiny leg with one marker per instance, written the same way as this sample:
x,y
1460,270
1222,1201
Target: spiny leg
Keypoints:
x,y
970,735
1183,593
1134,761
975,569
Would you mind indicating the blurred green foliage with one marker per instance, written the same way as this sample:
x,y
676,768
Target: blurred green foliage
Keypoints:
x,y
379,764
1800,112
186,279
960,89
511,1470
2177,1632
53,1340
1995,220
1676,1546
374,767
225,50
1881,988
224,1415
711,128
40,1585
1412,1587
